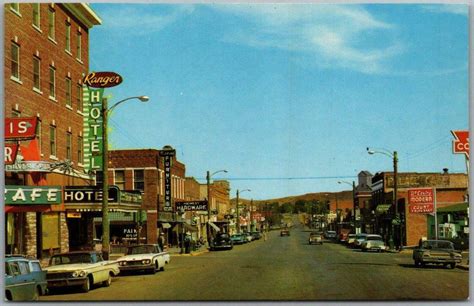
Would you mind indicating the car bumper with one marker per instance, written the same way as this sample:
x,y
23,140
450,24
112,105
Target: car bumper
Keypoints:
x,y
441,260
66,282
221,247
136,267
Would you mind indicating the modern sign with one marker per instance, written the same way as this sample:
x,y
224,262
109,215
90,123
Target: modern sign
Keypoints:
x,y
89,194
421,200
20,128
461,142
102,79
191,205
11,150
167,153
93,125
41,195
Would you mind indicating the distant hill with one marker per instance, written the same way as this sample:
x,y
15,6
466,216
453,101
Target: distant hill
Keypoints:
x,y
342,197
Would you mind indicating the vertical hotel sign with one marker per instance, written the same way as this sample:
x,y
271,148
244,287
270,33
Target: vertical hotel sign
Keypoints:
x,y
167,153
93,125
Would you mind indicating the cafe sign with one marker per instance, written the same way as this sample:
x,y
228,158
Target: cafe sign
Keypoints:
x,y
41,195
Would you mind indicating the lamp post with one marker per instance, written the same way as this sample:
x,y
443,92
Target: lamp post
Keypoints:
x,y
105,184
353,202
237,208
208,182
394,157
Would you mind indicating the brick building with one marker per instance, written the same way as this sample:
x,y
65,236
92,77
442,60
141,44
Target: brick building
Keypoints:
x,y
46,56
451,198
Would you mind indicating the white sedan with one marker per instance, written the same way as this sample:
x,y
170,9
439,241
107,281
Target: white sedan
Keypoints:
x,y
145,257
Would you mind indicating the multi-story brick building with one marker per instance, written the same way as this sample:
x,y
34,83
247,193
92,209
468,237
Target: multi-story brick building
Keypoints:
x,y
451,196
46,56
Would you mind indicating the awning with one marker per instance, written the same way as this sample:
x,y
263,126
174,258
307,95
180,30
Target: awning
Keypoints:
x,y
215,227
165,225
454,208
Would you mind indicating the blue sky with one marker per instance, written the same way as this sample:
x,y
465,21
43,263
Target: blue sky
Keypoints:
x,y
287,97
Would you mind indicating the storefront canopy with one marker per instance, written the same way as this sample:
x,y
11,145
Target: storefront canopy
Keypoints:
x,y
453,208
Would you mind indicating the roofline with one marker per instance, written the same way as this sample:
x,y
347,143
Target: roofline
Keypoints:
x,y
84,13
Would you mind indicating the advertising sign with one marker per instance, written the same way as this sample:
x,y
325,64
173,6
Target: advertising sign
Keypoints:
x,y
11,150
191,206
42,195
461,142
102,79
421,200
20,128
89,194
93,124
167,155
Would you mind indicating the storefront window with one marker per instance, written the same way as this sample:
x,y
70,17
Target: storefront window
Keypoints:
x,y
139,180
51,237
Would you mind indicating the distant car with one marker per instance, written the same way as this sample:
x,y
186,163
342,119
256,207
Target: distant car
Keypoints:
x,y
24,279
436,252
330,235
222,241
238,239
316,238
248,236
80,268
350,239
256,235
146,257
284,232
373,243
360,238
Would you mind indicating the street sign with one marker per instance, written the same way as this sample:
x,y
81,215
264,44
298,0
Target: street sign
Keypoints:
x,y
421,200
461,142
20,128
191,205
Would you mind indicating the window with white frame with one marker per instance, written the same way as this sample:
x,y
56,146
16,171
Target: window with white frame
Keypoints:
x,y
119,179
36,73
79,98
52,140
15,7
39,130
52,23
80,156
79,46
68,92
52,82
36,15
68,37
139,180
15,60
69,146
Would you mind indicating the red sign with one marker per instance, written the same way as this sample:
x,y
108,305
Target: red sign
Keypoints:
x,y
102,79
461,142
11,150
421,200
20,128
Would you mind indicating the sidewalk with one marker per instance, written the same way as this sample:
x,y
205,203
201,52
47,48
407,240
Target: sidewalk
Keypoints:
x,y
176,251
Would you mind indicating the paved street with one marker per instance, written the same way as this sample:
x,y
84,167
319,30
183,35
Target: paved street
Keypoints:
x,y
285,268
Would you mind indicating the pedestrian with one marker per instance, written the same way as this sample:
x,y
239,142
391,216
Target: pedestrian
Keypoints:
x,y
161,240
264,236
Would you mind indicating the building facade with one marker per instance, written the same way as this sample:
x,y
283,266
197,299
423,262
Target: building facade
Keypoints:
x,y
46,56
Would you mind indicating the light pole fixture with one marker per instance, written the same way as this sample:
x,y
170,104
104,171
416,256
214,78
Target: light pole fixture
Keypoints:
x,y
237,208
353,202
394,157
208,183
105,184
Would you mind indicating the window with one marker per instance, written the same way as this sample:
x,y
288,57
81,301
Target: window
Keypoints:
x,y
119,179
15,7
36,73
68,92
139,180
35,267
16,113
52,140
52,82
79,46
68,146
36,15
68,37
80,158
79,98
52,25
15,57
39,130
24,268
99,178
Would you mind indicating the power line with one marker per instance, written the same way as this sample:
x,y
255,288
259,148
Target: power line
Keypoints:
x,y
280,178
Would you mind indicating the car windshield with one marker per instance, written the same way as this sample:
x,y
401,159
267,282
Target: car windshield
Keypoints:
x,y
361,236
374,238
70,259
140,249
438,245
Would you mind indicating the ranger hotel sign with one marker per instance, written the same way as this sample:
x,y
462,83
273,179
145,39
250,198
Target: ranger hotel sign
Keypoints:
x,y
191,206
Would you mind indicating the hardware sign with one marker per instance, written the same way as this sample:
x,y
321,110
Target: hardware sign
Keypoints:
x,y
41,195
191,206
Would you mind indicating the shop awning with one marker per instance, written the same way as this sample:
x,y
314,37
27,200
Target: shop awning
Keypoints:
x,y
454,208
215,227
165,225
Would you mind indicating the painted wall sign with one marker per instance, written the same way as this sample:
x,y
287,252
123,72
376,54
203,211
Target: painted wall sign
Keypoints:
x,y
20,128
93,123
461,142
191,205
10,152
15,195
89,194
421,200
102,79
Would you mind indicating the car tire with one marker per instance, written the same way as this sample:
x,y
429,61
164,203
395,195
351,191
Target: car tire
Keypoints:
x,y
87,285
107,282
37,294
452,265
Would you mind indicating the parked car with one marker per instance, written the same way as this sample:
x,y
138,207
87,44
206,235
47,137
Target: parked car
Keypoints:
x,y
222,241
80,268
238,239
284,232
330,235
315,237
360,238
248,236
24,279
436,252
145,257
256,235
373,243
351,239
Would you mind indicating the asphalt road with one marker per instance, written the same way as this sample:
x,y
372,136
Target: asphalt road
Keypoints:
x,y
285,269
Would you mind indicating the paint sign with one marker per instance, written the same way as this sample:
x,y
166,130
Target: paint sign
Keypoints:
x,y
461,142
20,128
10,152
41,195
93,126
421,200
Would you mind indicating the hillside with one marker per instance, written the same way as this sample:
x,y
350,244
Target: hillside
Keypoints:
x,y
342,196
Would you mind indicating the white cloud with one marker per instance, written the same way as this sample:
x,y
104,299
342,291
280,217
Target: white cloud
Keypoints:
x,y
334,35
458,9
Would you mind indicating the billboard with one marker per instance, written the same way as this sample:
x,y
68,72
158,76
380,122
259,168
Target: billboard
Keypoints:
x,y
421,200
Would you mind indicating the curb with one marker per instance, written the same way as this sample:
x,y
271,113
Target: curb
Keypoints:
x,y
462,267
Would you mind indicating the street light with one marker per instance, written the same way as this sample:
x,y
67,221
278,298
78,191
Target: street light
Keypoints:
x,y
394,157
105,184
353,202
208,179
237,209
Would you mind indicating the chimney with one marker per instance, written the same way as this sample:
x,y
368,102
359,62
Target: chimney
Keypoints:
x,y
445,170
